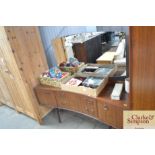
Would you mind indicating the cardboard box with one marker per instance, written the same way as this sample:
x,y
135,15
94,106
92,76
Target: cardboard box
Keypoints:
x,y
93,92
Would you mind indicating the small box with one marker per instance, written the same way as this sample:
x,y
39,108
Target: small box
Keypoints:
x,y
97,70
93,92
116,93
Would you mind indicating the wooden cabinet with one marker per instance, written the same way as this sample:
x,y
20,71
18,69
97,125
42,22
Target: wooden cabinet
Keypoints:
x,y
99,108
142,67
89,50
110,114
22,60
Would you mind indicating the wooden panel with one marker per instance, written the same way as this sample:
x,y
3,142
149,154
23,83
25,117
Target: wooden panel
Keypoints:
x,y
59,50
5,96
90,106
142,67
28,51
29,55
23,53
13,78
46,97
68,100
110,114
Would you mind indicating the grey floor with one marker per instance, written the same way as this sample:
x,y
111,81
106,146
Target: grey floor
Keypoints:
x,y
10,119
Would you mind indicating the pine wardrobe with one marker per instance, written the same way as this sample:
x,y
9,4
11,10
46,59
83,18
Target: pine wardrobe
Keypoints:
x,y
22,60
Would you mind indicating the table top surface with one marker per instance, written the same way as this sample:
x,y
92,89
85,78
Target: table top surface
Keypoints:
x,y
104,96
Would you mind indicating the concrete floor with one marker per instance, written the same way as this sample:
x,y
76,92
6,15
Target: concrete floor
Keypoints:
x,y
10,119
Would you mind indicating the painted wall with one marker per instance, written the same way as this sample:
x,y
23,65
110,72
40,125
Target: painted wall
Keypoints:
x,y
91,28
113,28
50,32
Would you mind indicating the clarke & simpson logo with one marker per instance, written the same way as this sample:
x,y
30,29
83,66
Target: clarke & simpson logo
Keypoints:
x,y
139,119
142,119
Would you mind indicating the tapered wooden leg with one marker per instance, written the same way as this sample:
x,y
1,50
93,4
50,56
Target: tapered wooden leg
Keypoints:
x,y
110,127
58,113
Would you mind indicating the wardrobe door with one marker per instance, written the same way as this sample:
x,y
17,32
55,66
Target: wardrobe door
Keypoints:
x,y
13,79
5,97
142,67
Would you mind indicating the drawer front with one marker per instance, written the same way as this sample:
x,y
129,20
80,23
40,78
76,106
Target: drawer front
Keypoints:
x,y
77,102
89,106
46,97
110,114
62,99
69,100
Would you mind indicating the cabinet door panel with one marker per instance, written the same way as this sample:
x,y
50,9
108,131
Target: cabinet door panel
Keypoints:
x,y
70,101
142,64
110,114
90,106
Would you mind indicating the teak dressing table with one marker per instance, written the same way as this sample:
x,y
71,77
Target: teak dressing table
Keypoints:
x,y
101,108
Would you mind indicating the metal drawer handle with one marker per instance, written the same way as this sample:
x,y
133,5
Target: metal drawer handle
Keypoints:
x,y
105,107
90,102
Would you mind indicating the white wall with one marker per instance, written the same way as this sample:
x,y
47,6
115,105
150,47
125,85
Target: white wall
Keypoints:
x,y
91,28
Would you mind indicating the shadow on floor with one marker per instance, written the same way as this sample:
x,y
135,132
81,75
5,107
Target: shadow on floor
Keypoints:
x,y
10,119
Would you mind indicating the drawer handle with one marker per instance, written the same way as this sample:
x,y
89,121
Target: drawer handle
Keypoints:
x,y
90,102
105,107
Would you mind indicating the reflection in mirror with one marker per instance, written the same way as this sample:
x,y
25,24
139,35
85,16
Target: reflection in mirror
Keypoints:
x,y
101,48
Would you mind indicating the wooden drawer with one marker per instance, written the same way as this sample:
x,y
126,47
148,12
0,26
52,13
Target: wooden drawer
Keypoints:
x,y
63,99
70,100
110,114
46,97
89,106
77,102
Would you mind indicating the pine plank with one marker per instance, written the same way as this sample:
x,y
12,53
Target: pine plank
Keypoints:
x,y
59,50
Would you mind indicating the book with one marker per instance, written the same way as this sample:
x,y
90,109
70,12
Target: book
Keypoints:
x,y
74,82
